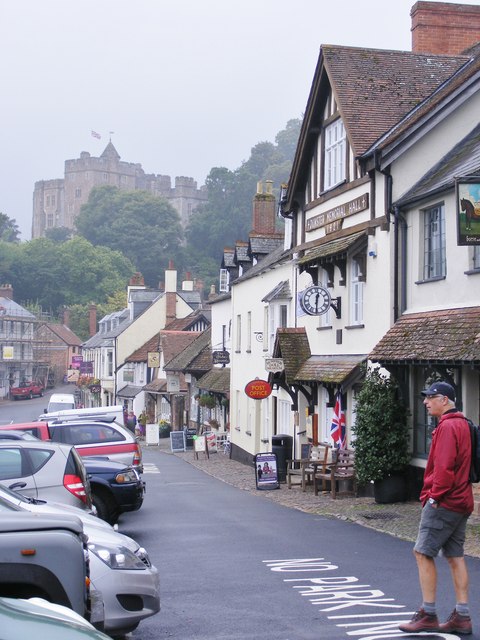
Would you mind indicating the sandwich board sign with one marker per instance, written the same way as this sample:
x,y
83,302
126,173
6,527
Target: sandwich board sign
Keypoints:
x,y
266,471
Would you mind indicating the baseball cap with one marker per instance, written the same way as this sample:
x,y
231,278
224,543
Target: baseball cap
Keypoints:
x,y
440,388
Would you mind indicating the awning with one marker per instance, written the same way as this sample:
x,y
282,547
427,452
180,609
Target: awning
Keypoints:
x,y
333,249
333,369
128,391
158,386
216,380
443,336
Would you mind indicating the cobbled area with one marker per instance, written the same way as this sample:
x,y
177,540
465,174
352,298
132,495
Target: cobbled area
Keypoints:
x,y
399,519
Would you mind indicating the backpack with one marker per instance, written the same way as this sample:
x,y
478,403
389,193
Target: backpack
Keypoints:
x,y
475,464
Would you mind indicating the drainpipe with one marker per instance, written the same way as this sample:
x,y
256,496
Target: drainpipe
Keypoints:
x,y
400,279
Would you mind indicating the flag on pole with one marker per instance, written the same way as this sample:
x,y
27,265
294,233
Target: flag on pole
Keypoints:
x,y
96,135
337,430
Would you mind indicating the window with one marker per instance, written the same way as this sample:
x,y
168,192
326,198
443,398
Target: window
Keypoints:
x,y
434,260
238,345
476,257
249,331
356,293
78,193
335,151
109,363
224,280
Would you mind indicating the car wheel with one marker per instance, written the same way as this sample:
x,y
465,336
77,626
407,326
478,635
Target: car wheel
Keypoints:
x,y
30,395
41,394
106,509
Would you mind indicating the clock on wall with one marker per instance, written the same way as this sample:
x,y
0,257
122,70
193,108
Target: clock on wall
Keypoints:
x,y
315,301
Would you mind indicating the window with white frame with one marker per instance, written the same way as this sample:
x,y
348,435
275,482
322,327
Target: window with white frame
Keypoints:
x,y
356,293
283,416
335,152
434,258
224,280
238,343
266,341
249,331
278,318
109,363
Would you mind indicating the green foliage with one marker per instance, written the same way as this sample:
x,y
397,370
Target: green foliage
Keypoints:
x,y
227,216
58,234
54,275
8,229
146,229
381,436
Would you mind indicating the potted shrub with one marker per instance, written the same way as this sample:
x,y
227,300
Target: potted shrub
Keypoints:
x,y
381,438
164,429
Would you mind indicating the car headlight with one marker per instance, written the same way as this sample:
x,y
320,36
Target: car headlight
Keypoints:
x,y
126,476
116,557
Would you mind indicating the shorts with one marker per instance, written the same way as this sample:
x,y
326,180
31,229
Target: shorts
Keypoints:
x,y
441,529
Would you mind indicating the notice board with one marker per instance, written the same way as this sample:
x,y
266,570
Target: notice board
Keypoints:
x,y
177,441
266,471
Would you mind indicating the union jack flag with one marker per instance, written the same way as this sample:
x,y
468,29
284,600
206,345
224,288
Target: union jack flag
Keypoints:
x,y
337,430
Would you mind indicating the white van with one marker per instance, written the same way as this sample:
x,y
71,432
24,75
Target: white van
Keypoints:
x,y
92,413
60,402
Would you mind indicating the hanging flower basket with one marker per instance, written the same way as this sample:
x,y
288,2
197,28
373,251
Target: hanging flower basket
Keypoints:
x,y
206,400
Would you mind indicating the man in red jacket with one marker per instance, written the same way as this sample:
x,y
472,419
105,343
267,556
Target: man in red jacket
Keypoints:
x,y
447,500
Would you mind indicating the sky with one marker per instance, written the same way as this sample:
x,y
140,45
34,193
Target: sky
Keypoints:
x,y
180,86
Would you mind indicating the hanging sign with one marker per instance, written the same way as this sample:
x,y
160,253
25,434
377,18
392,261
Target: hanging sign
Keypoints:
x,y
258,389
220,357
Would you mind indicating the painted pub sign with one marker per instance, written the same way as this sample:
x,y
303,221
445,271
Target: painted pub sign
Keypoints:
x,y
468,210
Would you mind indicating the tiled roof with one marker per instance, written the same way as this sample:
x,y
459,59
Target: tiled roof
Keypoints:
x,y
281,291
443,336
172,343
332,247
159,385
332,369
197,356
263,244
292,346
129,391
217,379
376,88
141,354
11,308
268,262
462,160
184,324
65,334
463,75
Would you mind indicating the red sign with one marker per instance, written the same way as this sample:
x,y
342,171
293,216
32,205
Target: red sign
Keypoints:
x,y
258,389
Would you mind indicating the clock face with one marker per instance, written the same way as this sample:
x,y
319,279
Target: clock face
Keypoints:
x,y
315,301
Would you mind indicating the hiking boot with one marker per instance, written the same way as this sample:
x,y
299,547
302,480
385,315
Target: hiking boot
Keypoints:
x,y
457,624
421,621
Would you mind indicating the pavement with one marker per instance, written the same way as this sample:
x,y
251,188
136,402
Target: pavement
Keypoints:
x,y
400,519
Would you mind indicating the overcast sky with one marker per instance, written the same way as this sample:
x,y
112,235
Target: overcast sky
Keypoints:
x,y
184,85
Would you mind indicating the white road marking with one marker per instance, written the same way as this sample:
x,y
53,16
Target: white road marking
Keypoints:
x,y
149,467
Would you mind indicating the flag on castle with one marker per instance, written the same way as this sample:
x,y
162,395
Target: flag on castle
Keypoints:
x,y
96,135
337,429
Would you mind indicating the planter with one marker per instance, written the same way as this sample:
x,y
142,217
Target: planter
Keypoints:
x,y
164,430
390,489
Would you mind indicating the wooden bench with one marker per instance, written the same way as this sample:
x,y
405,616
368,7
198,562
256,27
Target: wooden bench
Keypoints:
x,y
339,472
305,467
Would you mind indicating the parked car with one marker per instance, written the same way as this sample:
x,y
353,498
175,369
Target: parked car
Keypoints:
x,y
87,413
99,438
115,487
46,556
38,618
45,470
59,401
10,434
119,568
27,390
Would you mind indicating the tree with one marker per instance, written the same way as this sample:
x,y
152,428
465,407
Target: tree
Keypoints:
x,y
146,229
54,275
58,234
9,231
79,313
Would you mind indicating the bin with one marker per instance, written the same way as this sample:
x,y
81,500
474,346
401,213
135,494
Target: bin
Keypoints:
x,y
282,445
189,433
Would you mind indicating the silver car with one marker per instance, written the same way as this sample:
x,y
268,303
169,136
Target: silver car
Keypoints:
x,y
45,470
119,568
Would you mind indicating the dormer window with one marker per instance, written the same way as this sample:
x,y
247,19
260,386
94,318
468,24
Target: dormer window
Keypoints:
x,y
335,154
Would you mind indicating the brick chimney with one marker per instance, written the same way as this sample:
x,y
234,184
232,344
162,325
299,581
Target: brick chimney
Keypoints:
x,y
263,219
92,319
444,27
66,317
6,291
170,293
